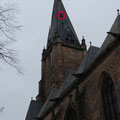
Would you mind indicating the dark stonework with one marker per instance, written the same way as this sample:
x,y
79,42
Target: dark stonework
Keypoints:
x,y
77,84
60,56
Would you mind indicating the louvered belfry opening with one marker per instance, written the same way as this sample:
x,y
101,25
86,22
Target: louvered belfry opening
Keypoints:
x,y
110,101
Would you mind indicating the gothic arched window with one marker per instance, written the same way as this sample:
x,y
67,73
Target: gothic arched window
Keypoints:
x,y
81,104
110,102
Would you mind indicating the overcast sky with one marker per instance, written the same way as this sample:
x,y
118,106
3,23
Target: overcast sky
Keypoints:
x,y
90,18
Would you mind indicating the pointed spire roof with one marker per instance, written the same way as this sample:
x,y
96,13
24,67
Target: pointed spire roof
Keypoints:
x,y
109,39
62,27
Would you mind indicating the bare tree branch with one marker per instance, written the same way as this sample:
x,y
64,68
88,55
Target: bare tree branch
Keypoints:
x,y
1,109
8,26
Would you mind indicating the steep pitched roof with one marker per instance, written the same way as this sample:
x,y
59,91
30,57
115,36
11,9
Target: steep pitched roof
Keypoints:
x,y
94,52
63,27
107,42
88,59
67,83
34,109
109,39
48,103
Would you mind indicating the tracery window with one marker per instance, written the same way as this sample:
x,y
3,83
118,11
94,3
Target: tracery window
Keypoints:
x,y
110,102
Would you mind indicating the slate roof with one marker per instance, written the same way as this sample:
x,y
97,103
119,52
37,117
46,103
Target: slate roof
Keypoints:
x,y
34,109
48,104
95,53
88,59
63,27
109,39
67,83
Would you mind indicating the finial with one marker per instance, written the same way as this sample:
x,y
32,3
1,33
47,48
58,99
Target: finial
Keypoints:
x,y
118,11
31,98
82,37
90,43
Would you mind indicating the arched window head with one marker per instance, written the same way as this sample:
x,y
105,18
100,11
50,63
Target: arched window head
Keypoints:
x,y
110,101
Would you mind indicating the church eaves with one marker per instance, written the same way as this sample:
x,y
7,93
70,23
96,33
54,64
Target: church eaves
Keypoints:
x,y
62,26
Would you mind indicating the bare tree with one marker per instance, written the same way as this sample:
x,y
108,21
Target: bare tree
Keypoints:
x,y
8,27
1,109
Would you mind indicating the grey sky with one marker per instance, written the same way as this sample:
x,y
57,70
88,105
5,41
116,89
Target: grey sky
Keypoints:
x,y
91,18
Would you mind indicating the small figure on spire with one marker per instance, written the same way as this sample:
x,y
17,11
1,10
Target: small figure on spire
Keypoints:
x,y
118,11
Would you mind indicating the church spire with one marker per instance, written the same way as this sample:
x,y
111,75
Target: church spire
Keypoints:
x,y
61,25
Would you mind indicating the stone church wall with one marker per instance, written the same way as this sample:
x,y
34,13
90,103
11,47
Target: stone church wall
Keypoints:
x,y
94,106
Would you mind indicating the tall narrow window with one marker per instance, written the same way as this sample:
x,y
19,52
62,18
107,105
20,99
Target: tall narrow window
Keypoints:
x,y
80,101
110,102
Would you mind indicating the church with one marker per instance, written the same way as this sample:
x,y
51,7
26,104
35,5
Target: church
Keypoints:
x,y
76,83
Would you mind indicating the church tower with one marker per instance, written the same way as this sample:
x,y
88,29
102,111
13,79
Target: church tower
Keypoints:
x,y
62,53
